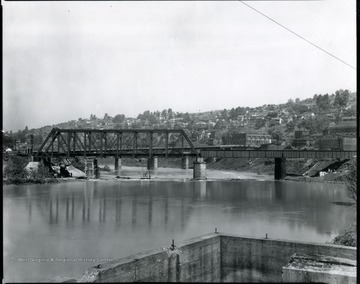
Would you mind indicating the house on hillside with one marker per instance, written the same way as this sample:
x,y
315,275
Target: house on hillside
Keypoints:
x,y
246,139
342,129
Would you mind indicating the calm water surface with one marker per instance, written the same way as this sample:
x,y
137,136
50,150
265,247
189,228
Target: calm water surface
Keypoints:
x,y
63,229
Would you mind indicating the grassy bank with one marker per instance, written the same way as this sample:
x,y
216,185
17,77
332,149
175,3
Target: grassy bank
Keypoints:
x,y
23,181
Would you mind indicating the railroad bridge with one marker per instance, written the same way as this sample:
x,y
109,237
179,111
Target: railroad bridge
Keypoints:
x,y
160,143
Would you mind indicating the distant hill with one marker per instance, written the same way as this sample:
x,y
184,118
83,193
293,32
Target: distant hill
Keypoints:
x,y
315,114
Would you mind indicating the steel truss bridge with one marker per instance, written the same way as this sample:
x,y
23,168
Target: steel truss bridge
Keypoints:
x,y
116,142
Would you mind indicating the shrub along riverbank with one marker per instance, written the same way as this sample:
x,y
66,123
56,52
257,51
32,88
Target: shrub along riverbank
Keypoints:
x,y
15,172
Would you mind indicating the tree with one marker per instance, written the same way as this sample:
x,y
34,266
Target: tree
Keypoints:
x,y
351,180
351,111
316,124
15,168
232,114
259,123
300,108
8,141
107,117
152,119
272,114
225,114
276,134
170,113
323,102
187,117
119,118
341,98
40,174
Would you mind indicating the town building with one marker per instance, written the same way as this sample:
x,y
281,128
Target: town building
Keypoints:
x,y
246,139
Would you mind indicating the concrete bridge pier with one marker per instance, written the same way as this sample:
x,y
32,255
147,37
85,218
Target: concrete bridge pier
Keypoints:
x,y
199,169
117,163
91,168
96,168
280,168
152,163
185,162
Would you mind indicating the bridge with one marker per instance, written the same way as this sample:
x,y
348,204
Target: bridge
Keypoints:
x,y
117,142
160,143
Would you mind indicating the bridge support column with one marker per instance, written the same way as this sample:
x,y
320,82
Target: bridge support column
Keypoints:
x,y
152,163
185,162
280,168
89,168
117,163
199,169
96,168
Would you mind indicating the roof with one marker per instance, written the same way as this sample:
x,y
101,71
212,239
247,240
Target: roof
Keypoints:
x,y
344,125
319,166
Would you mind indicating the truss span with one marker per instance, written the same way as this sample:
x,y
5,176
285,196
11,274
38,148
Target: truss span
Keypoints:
x,y
117,142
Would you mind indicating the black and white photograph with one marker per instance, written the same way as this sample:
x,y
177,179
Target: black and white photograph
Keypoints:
x,y
180,141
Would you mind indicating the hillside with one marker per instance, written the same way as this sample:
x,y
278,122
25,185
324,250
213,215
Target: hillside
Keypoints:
x,y
280,121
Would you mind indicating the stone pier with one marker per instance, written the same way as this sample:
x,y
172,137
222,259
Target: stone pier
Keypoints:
x,y
199,169
152,163
185,162
280,168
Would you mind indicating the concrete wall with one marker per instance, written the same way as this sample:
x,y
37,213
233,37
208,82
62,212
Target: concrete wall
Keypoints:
x,y
317,268
212,258
266,257
195,260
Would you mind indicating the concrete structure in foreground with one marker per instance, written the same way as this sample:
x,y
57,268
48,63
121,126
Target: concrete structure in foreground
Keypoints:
x,y
319,268
213,258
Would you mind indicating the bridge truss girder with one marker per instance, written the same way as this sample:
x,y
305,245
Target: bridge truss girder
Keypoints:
x,y
117,142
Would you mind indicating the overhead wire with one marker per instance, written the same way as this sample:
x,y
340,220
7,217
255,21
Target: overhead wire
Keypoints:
x,y
313,44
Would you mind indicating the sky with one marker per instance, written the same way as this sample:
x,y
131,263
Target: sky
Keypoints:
x,y
66,60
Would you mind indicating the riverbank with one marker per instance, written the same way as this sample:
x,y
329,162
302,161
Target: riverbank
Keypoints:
x,y
295,169
232,168
25,181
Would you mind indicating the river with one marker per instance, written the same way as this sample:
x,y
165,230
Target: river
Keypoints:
x,y
60,230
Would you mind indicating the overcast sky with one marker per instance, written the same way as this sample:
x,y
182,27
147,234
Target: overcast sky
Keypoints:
x,y
66,60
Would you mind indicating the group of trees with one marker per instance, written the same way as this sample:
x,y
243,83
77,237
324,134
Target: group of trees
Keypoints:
x,y
315,124
15,172
340,100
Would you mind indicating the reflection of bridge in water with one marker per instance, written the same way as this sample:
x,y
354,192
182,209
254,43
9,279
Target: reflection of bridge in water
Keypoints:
x,y
160,143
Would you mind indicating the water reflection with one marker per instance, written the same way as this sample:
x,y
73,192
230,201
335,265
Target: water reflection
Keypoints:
x,y
119,218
